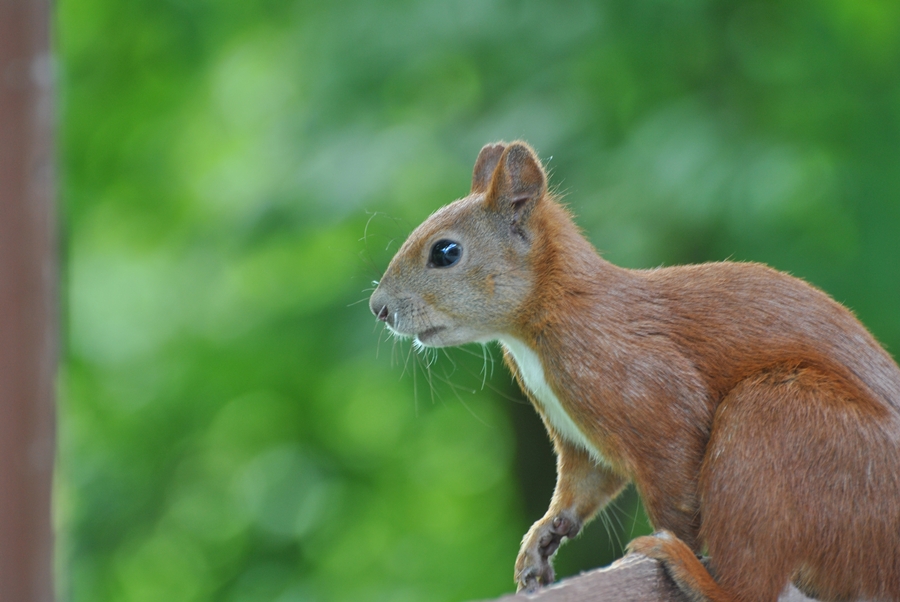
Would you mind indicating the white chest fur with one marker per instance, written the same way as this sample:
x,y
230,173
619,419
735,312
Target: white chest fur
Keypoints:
x,y
532,372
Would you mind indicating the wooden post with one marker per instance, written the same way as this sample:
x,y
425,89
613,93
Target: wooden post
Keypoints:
x,y
28,307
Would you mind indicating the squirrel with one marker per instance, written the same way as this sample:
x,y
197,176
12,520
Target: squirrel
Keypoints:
x,y
757,417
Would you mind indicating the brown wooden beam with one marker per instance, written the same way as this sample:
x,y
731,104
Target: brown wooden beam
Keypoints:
x,y
28,306
634,578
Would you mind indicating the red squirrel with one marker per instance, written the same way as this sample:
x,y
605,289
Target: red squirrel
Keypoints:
x,y
757,417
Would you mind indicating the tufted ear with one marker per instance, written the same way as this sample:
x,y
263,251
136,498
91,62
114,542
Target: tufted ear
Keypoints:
x,y
485,165
518,183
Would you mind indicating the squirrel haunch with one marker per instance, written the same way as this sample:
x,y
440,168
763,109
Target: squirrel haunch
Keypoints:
x,y
757,417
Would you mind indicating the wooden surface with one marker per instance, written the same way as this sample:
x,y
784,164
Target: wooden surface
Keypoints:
x,y
634,578
28,308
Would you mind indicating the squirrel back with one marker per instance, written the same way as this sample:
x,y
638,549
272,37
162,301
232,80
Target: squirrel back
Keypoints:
x,y
757,417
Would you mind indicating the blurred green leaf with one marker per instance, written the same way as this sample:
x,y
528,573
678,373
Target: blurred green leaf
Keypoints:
x,y
234,425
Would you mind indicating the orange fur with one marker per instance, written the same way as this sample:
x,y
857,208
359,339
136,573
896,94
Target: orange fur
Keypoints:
x,y
756,416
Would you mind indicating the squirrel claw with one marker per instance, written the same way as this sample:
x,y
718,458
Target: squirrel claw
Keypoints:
x,y
531,581
533,567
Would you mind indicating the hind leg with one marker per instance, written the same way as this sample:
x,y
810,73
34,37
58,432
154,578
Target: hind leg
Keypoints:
x,y
740,486
800,482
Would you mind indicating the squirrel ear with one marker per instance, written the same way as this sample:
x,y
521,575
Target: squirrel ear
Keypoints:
x,y
519,181
484,166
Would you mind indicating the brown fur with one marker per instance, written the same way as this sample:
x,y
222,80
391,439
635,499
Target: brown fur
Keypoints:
x,y
756,416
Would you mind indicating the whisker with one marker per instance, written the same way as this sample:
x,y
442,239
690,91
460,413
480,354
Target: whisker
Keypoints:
x,y
415,384
369,263
486,383
360,301
455,387
393,351
508,397
429,375
634,518
470,410
406,362
468,351
614,511
365,255
378,343
452,362
604,520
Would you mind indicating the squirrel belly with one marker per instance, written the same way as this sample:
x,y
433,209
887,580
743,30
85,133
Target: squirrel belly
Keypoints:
x,y
528,367
757,417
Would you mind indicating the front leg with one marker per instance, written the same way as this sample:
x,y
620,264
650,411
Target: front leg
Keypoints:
x,y
582,488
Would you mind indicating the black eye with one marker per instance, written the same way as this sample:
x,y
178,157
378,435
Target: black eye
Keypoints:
x,y
445,253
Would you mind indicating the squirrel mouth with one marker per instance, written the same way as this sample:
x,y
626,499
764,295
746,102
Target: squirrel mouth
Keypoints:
x,y
427,334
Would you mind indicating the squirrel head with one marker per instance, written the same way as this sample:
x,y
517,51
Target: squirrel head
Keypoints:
x,y
464,273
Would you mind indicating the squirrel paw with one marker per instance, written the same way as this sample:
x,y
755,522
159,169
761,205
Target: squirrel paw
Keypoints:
x,y
533,566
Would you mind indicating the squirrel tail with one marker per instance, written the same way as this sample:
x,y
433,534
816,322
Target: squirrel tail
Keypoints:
x,y
685,569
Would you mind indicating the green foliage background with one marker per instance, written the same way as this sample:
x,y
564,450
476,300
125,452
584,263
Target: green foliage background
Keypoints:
x,y
234,174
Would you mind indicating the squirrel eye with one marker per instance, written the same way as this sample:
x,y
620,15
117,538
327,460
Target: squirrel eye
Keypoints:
x,y
445,253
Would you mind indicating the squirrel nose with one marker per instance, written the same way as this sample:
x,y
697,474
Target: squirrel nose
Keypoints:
x,y
384,307
378,305
383,314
